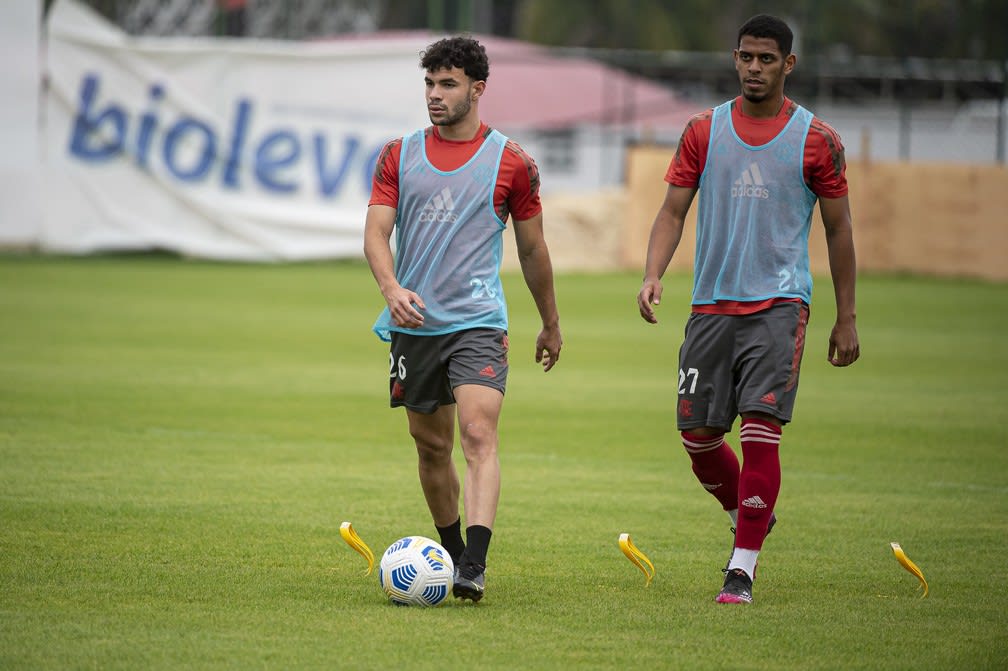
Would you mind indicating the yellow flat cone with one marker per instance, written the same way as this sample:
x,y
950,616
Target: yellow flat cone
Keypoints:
x,y
637,558
357,543
909,566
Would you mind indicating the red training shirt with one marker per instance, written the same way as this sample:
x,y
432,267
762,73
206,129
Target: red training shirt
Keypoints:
x,y
516,192
825,168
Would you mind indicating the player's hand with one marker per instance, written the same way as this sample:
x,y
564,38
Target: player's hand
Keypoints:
x,y
548,345
404,306
649,295
844,348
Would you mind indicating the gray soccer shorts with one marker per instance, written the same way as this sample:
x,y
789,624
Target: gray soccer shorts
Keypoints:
x,y
424,369
731,364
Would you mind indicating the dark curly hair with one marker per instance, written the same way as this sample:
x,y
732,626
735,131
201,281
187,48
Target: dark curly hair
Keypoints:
x,y
460,52
764,25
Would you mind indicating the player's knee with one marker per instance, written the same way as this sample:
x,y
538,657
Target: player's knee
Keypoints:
x,y
433,458
479,439
476,432
432,447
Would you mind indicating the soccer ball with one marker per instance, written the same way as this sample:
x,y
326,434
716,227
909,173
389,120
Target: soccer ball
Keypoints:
x,y
416,571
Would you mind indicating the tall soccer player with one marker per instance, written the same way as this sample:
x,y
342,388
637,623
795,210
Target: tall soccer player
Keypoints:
x,y
448,192
759,162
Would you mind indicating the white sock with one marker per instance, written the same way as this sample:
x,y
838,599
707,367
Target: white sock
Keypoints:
x,y
745,560
733,514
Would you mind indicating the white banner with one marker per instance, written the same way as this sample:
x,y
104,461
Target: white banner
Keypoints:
x,y
20,206
215,148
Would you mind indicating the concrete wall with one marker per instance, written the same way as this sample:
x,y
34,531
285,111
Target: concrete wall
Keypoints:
x,y
925,218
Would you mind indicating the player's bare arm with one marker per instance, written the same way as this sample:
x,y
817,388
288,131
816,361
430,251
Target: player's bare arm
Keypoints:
x,y
378,227
666,232
844,348
537,269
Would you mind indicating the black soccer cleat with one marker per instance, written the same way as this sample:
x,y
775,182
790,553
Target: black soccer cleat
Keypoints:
x,y
469,582
737,588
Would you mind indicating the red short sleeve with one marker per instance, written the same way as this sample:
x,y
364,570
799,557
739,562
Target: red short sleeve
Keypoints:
x,y
517,185
691,154
825,165
385,182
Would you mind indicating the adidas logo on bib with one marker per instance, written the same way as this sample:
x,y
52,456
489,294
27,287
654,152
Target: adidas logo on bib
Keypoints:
x,y
440,208
750,184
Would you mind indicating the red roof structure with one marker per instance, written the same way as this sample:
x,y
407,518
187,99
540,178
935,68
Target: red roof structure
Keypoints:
x,y
532,87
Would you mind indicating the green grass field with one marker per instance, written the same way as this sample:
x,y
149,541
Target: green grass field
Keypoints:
x,y
180,442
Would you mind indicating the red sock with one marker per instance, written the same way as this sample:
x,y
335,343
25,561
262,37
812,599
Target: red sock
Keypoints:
x,y
759,483
715,466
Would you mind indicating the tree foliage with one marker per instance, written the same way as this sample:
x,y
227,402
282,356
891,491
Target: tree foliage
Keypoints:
x,y
896,28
